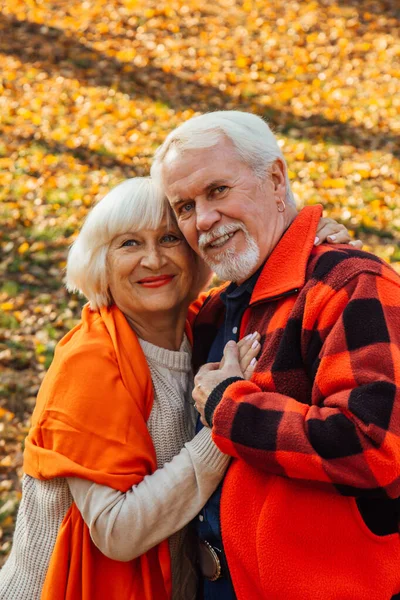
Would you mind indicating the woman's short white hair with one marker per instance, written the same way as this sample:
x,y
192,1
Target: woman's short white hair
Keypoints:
x,y
135,204
253,139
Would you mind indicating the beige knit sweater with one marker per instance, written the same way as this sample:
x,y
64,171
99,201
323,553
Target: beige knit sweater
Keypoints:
x,y
124,525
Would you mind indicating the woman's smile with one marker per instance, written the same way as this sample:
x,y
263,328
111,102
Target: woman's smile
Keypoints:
x,y
156,281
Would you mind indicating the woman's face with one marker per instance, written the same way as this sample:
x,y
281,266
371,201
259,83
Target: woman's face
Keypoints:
x,y
151,270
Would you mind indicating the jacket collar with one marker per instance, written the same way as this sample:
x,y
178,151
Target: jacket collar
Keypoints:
x,y
285,269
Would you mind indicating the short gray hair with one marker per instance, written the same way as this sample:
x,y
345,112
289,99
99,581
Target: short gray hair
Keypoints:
x,y
253,139
132,205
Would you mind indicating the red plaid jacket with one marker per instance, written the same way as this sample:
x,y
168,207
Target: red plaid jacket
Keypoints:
x,y
315,434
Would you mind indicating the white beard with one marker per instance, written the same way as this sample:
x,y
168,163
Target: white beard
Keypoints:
x,y
227,264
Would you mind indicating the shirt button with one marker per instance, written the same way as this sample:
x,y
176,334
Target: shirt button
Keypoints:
x,y
234,330
201,518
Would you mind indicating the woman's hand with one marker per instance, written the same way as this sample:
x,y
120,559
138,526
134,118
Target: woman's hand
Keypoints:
x,y
330,231
212,374
239,360
248,347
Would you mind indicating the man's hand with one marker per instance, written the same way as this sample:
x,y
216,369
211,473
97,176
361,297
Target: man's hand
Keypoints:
x,y
330,231
211,374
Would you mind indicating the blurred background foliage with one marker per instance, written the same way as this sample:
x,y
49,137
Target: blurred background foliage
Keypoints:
x,y
89,89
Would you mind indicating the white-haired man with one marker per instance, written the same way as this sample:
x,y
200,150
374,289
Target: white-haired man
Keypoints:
x,y
309,507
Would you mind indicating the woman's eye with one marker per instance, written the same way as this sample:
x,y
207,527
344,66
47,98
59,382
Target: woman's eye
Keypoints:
x,y
185,208
129,243
170,238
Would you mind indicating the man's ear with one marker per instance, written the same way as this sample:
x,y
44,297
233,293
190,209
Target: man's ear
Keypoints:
x,y
277,175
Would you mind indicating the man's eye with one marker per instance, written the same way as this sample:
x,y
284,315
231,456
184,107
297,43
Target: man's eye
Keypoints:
x,y
220,189
129,243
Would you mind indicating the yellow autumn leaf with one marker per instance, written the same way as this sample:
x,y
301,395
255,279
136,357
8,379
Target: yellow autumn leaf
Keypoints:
x,y
242,62
6,306
9,519
126,55
334,183
23,248
6,413
375,205
38,246
6,461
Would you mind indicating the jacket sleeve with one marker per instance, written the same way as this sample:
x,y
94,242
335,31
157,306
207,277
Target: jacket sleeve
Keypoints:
x,y
349,434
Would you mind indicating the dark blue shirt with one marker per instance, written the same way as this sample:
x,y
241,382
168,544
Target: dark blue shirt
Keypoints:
x,y
236,299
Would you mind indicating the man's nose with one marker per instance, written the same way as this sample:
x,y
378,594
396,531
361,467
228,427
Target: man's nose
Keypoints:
x,y
206,217
153,258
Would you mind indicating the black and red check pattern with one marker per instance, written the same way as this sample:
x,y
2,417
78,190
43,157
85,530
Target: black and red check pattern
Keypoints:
x,y
323,404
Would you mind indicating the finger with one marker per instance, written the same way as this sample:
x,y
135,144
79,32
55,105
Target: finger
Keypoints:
x,y
246,341
231,354
251,353
202,419
322,222
248,372
341,237
246,348
330,223
356,244
197,394
333,232
211,366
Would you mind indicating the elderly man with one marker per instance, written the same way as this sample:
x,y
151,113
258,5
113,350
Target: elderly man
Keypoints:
x,y
309,507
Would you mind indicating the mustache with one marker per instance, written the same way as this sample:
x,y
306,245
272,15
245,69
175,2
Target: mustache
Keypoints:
x,y
209,236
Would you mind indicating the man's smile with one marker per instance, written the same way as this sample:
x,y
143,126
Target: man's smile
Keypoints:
x,y
220,241
217,239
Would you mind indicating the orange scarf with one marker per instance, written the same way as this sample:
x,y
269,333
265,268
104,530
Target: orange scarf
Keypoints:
x,y
90,422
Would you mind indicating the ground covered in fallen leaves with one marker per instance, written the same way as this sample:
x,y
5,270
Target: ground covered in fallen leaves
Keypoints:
x,y
89,89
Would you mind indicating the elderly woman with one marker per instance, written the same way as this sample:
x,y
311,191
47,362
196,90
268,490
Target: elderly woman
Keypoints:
x,y
112,474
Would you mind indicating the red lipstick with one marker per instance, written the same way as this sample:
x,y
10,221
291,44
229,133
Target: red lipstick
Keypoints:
x,y
156,281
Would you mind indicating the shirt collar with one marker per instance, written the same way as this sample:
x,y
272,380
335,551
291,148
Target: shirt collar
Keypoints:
x,y
285,268
234,291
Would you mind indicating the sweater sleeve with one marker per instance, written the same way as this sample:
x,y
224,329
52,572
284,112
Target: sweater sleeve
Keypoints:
x,y
349,433
125,525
